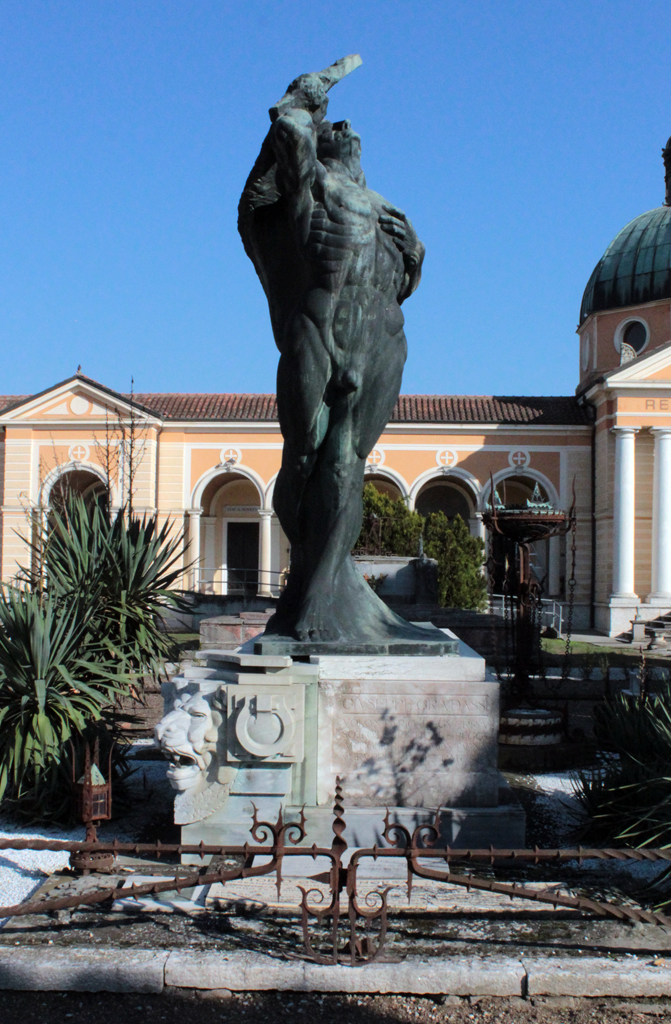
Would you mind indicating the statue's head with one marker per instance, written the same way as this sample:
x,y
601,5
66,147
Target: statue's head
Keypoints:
x,y
339,142
187,735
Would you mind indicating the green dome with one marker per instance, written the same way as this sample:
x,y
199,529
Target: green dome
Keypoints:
x,y
636,266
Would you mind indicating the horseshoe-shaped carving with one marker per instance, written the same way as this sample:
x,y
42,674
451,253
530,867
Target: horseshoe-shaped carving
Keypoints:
x,y
270,705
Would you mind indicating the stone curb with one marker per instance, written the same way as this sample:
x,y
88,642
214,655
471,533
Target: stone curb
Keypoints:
x,y
81,969
596,976
249,972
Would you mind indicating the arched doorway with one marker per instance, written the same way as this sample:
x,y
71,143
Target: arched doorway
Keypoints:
x,y
57,492
79,482
384,485
446,496
239,547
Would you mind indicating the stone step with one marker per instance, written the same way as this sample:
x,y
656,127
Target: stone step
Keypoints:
x,y
197,672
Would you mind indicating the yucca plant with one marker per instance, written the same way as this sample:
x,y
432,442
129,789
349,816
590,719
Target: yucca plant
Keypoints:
x,y
56,679
628,800
126,566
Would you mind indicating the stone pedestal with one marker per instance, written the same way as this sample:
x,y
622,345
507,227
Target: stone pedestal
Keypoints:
x,y
408,732
411,734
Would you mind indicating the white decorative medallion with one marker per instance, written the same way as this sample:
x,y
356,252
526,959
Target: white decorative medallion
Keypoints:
x,y
79,405
447,458
230,456
519,459
376,458
78,452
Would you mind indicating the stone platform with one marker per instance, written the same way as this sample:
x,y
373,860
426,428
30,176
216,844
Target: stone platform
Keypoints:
x,y
411,733
390,648
476,827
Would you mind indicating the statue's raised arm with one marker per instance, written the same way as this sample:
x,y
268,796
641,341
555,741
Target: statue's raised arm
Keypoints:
x,y
309,92
293,135
287,163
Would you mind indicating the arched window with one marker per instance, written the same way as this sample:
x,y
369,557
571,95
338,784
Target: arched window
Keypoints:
x,y
446,497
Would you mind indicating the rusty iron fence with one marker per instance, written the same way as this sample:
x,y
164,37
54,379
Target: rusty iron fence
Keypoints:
x,y
346,934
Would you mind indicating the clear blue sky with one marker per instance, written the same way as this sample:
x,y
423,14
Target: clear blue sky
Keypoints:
x,y
518,135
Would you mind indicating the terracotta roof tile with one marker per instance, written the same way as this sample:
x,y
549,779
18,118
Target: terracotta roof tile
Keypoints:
x,y
7,400
563,411
254,408
210,407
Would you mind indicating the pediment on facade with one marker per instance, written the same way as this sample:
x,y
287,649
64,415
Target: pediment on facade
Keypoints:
x,y
654,367
75,400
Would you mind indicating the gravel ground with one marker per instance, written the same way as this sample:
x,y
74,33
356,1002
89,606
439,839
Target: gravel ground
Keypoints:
x,y
23,871
270,1007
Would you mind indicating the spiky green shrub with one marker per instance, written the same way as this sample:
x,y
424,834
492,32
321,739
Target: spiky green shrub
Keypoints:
x,y
628,800
460,557
57,677
76,641
126,566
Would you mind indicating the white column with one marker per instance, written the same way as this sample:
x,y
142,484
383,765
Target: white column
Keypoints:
x,y
624,513
266,539
661,516
554,565
193,553
209,567
477,527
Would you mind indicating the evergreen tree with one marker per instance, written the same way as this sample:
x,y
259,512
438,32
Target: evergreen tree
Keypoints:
x,y
390,528
460,557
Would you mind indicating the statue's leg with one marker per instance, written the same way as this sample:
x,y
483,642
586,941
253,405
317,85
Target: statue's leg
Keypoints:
x,y
336,602
329,523
302,376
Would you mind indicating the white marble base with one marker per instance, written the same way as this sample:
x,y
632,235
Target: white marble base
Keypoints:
x,y
502,826
616,616
410,733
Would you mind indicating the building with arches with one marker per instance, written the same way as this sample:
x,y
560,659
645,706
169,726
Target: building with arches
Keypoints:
x,y
208,462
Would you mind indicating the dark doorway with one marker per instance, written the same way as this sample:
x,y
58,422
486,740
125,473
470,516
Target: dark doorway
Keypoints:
x,y
242,558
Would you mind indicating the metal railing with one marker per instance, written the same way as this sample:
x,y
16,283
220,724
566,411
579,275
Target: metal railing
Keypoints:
x,y
351,931
552,611
241,582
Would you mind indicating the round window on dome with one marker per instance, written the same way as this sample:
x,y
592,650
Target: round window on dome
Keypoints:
x,y
636,335
631,337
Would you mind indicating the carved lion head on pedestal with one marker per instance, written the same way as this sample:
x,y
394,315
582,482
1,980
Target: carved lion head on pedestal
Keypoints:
x,y
188,735
191,737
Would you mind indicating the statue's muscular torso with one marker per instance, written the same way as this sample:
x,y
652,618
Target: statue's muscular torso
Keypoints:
x,y
355,271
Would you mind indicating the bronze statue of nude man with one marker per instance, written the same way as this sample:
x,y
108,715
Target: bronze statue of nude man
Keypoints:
x,y
336,261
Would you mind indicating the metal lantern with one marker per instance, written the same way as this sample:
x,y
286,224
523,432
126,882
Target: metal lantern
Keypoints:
x,y
93,803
